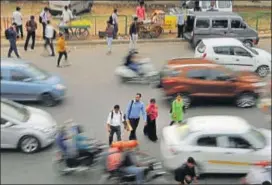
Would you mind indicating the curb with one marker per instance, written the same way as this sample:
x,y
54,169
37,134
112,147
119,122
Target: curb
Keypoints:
x,y
103,42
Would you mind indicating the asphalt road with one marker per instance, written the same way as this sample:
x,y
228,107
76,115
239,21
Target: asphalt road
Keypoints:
x,y
92,91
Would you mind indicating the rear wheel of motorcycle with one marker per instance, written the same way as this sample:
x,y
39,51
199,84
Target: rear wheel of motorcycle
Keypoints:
x,y
59,167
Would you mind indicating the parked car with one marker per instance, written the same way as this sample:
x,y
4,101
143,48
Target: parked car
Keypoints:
x,y
258,174
235,55
56,7
23,81
200,78
219,144
26,128
202,25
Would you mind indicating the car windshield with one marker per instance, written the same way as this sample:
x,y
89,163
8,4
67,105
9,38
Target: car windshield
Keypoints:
x,y
251,49
15,111
259,139
183,131
37,73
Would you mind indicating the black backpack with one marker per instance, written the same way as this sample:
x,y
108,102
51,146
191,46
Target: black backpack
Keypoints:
x,y
7,33
40,19
111,20
54,34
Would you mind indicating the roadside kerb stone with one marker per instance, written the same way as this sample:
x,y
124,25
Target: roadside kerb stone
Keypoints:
x,y
103,42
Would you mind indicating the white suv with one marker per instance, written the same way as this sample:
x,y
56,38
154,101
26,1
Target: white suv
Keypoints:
x,y
235,55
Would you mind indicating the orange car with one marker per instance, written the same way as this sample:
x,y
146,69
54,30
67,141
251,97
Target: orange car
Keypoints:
x,y
192,77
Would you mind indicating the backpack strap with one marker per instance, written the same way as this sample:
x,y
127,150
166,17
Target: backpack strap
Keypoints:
x,y
132,101
111,114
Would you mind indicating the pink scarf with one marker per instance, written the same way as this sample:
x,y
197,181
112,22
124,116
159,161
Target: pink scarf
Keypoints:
x,y
152,111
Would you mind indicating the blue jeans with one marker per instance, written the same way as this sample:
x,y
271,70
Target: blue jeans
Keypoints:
x,y
134,67
138,171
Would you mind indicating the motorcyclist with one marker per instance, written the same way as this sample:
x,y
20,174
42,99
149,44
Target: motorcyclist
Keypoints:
x,y
131,61
128,162
82,146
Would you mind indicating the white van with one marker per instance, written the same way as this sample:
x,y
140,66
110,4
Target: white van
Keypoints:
x,y
220,5
56,7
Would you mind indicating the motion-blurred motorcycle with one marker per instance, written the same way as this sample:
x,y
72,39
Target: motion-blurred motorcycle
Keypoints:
x,y
147,73
153,174
79,164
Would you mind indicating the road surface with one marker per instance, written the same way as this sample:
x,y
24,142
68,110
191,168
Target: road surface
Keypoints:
x,y
92,91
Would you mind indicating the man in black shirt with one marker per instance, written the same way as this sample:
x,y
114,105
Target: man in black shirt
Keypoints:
x,y
186,173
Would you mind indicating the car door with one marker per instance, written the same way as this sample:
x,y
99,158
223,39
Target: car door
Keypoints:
x,y
237,29
222,55
219,84
9,135
207,153
20,86
220,27
197,81
237,154
242,59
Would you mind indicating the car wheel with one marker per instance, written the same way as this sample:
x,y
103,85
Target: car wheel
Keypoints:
x,y
48,100
248,43
263,71
246,100
29,144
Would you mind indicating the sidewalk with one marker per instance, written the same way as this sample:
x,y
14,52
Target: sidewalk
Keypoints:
x,y
20,43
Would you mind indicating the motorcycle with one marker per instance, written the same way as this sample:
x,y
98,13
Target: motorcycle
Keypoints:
x,y
79,164
147,73
153,174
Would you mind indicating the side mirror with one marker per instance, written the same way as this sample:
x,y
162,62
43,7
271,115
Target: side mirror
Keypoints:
x,y
27,80
9,124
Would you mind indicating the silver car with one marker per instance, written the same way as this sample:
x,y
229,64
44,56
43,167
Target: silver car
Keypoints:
x,y
26,128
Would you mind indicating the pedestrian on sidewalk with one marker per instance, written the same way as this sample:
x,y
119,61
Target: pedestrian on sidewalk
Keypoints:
x,y
110,35
11,35
133,34
177,110
114,122
180,25
140,11
50,34
43,19
134,109
18,19
152,114
62,49
31,27
115,23
67,16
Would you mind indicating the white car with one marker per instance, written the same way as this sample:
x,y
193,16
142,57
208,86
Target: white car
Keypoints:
x,y
233,54
219,144
258,175
26,128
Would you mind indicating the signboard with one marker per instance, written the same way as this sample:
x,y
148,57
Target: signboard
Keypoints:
x,y
170,22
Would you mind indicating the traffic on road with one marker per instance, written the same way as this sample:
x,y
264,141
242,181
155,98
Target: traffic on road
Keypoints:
x,y
211,138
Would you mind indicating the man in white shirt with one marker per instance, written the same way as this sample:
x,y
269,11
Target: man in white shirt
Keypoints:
x,y
18,19
114,122
115,22
49,36
67,15
44,17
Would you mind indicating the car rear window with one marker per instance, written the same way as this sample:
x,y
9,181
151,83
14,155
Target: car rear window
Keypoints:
x,y
200,74
222,50
201,47
202,23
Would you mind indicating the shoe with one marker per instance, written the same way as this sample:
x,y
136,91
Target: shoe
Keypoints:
x,y
52,55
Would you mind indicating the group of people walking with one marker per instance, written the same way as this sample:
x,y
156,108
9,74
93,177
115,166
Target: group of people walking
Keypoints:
x,y
130,120
48,32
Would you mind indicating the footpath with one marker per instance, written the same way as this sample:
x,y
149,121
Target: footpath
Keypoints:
x,y
95,41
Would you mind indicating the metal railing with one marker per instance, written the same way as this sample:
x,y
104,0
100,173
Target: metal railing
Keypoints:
x,y
261,21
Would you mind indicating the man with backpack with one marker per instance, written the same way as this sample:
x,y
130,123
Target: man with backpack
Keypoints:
x,y
50,35
114,22
11,36
43,18
31,27
18,19
114,122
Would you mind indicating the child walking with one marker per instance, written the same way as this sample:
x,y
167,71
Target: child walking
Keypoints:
x,y
62,50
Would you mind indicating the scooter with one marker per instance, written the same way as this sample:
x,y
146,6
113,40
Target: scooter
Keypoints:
x,y
147,73
79,163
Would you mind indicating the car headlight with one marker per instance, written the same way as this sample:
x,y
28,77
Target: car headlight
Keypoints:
x,y
60,87
259,84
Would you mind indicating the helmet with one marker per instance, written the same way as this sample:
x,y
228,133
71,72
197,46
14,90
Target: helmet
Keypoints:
x,y
125,144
